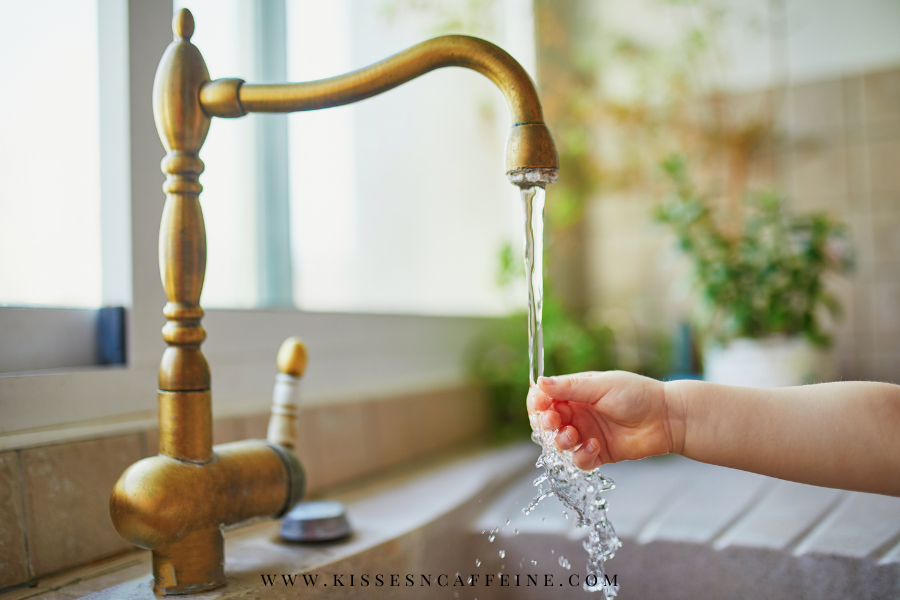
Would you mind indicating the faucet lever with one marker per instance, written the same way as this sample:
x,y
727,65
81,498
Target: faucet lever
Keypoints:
x,y
292,358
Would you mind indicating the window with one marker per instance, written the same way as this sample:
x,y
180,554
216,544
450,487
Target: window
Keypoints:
x,y
50,161
64,231
338,197
363,183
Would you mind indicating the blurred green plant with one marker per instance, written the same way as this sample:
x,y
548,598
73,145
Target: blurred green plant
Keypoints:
x,y
498,358
760,269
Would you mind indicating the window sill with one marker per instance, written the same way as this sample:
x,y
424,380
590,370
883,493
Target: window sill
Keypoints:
x,y
352,356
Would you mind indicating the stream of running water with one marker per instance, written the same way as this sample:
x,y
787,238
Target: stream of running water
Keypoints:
x,y
578,490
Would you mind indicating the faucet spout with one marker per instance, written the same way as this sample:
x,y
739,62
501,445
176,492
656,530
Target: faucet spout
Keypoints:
x,y
530,145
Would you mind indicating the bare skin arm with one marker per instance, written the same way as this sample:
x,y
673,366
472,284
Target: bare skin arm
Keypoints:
x,y
843,435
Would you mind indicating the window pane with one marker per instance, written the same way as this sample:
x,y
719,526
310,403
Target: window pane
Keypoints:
x,y
381,220
50,156
324,207
400,203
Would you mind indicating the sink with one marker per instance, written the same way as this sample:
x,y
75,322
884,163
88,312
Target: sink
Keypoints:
x,y
690,530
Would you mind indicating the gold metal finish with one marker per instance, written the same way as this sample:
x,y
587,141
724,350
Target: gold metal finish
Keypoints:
x,y
185,420
176,508
530,145
176,503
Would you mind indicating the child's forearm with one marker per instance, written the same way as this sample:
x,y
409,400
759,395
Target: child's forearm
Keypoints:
x,y
844,435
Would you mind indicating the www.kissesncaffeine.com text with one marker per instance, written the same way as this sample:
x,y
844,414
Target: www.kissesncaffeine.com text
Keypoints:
x,y
410,580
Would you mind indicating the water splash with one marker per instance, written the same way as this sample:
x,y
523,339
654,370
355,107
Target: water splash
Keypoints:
x,y
578,490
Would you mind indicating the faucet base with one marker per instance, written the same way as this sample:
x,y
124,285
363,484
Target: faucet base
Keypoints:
x,y
191,565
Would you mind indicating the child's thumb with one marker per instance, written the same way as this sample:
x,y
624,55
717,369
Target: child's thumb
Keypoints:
x,y
580,387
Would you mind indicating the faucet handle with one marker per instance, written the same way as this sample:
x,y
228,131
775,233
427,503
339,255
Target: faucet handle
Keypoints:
x,y
292,357
291,361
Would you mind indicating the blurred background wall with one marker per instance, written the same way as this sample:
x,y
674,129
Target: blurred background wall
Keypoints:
x,y
805,99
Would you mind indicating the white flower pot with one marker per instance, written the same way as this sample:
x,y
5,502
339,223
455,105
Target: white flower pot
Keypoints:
x,y
777,361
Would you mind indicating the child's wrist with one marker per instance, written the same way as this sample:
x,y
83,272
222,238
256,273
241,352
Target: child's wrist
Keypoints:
x,y
675,401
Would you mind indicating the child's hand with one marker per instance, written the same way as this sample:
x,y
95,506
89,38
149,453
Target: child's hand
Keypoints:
x,y
614,415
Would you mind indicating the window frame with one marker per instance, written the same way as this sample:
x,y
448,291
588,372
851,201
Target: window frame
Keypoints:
x,y
352,356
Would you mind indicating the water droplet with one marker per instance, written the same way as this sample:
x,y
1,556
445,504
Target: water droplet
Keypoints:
x,y
507,521
491,538
543,519
503,554
516,531
534,562
477,563
564,563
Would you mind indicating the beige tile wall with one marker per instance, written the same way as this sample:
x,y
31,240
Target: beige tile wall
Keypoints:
x,y
838,150
852,168
13,552
54,500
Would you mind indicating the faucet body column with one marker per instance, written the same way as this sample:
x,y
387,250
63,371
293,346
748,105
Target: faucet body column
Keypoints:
x,y
185,399
177,503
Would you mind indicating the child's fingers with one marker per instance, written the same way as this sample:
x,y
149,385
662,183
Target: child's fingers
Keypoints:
x,y
567,438
585,458
550,419
582,387
565,413
557,416
537,400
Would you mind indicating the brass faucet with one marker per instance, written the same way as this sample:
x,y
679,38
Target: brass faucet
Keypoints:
x,y
176,503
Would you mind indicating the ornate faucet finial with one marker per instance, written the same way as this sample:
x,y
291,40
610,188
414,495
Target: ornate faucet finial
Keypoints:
x,y
183,25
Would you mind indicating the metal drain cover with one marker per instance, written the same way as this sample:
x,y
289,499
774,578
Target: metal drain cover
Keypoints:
x,y
316,521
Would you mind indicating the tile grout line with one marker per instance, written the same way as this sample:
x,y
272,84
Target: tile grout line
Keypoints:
x,y
719,539
113,564
879,555
72,576
832,506
828,516
28,565
143,446
666,507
